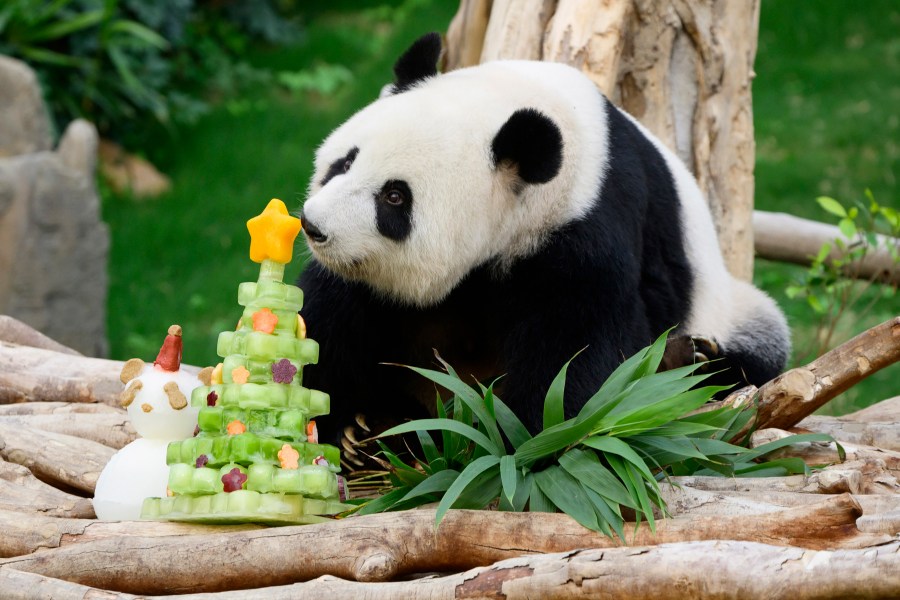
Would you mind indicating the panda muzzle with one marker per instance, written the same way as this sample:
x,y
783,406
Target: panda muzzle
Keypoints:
x,y
311,231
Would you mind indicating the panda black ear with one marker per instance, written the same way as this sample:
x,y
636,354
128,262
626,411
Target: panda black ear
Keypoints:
x,y
417,63
530,142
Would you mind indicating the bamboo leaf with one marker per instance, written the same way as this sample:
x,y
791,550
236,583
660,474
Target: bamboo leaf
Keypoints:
x,y
140,32
429,449
512,427
537,500
473,470
382,503
553,401
470,397
607,512
611,445
587,468
439,482
764,449
462,429
509,476
551,440
568,495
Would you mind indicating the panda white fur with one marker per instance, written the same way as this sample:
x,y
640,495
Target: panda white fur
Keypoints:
x,y
508,215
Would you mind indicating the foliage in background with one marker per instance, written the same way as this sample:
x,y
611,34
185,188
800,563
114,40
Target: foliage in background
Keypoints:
x,y
827,123
830,286
113,61
633,432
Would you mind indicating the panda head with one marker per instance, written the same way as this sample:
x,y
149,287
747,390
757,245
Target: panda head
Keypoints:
x,y
440,175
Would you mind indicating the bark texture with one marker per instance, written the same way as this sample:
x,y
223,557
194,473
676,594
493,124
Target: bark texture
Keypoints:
x,y
682,68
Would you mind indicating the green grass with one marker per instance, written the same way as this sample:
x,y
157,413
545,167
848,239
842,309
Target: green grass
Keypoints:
x,y
827,122
825,101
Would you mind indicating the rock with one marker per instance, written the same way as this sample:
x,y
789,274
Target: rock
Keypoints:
x,y
53,251
78,147
53,245
24,124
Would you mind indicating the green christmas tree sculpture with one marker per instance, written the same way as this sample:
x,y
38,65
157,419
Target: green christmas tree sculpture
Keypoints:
x,y
256,456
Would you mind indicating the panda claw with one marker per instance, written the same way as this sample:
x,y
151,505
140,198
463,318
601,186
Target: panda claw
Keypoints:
x,y
707,346
699,357
348,447
361,421
350,435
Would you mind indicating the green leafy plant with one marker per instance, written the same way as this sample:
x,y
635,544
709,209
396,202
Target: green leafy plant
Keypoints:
x,y
635,431
111,61
832,285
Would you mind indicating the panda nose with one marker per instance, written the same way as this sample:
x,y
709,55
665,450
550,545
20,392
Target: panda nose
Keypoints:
x,y
314,233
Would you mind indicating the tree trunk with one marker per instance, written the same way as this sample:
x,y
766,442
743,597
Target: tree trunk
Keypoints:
x,y
682,68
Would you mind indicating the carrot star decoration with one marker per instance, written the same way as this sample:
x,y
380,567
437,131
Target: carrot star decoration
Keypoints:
x,y
288,457
272,233
236,428
265,321
240,374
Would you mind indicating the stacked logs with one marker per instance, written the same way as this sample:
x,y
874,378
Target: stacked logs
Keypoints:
x,y
832,534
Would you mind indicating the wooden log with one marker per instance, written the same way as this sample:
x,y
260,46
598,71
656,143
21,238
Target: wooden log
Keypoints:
x,y
27,533
886,410
786,238
796,394
15,331
38,375
55,408
21,491
885,435
725,570
16,585
111,429
382,547
824,453
55,457
835,481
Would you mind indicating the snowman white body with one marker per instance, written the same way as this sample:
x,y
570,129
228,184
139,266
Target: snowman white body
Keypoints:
x,y
139,470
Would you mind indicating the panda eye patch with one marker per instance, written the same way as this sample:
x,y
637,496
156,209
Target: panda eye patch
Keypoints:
x,y
340,166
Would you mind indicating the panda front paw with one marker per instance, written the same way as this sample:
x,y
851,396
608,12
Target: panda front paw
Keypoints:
x,y
684,350
706,349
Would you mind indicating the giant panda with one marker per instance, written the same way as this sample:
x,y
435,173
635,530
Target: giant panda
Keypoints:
x,y
507,216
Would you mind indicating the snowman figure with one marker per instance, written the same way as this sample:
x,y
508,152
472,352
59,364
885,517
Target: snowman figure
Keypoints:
x,y
157,400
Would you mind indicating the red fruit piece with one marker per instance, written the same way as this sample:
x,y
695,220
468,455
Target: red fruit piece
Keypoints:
x,y
201,461
211,398
283,371
233,480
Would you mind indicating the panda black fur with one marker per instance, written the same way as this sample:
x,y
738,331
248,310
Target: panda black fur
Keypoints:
x,y
508,215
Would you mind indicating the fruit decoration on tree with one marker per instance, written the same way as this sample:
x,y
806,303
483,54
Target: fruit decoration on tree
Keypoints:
x,y
256,457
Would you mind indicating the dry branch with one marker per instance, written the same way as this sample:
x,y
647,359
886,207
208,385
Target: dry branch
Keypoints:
x,y
883,435
836,481
678,571
37,375
20,490
55,457
21,409
823,453
24,534
381,547
886,410
794,395
15,331
783,237
111,429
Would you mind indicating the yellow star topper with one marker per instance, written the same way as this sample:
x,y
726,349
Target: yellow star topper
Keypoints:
x,y
272,233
